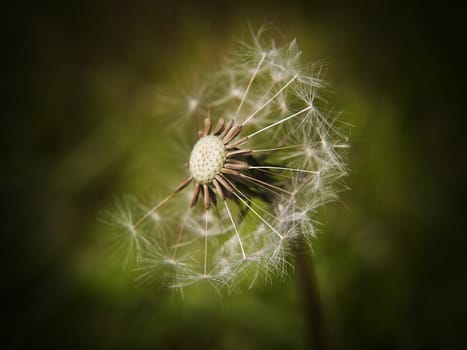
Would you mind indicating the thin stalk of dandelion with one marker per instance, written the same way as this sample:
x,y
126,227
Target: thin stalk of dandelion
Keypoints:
x,y
162,202
265,185
268,101
279,122
256,213
284,168
274,149
263,56
235,228
206,244
179,236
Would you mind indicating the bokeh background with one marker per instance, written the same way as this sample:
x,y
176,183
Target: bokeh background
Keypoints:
x,y
79,130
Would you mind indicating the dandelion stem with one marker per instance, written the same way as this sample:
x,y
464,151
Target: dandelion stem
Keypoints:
x,y
308,286
269,101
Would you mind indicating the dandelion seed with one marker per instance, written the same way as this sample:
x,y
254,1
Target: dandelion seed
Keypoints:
x,y
262,164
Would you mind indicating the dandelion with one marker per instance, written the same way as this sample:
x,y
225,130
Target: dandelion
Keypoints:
x,y
267,156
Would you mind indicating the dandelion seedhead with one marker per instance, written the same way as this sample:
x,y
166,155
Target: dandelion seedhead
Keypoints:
x,y
267,156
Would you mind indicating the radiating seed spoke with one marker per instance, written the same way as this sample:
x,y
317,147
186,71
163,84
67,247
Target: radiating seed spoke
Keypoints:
x,y
263,56
235,228
178,189
270,100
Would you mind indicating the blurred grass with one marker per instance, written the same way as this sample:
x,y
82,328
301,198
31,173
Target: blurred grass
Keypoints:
x,y
80,129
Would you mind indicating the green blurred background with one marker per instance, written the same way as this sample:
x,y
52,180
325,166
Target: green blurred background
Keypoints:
x,y
79,129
